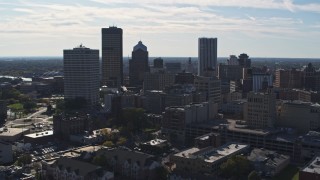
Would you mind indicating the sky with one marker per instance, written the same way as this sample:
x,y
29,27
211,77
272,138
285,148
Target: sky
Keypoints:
x,y
169,28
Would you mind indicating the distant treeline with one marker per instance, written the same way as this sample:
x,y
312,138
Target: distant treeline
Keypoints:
x,y
29,68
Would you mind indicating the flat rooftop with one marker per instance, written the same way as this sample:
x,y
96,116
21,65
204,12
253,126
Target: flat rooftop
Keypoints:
x,y
313,166
211,154
155,142
39,134
237,128
13,132
88,149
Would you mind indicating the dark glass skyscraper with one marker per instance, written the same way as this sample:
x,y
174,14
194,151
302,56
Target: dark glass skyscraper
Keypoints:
x,y
138,65
112,57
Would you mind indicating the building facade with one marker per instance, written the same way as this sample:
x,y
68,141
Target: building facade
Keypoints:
x,y
244,60
6,152
261,111
3,111
211,86
302,116
258,80
81,74
112,57
207,55
66,125
138,65
175,119
206,160
157,80
289,78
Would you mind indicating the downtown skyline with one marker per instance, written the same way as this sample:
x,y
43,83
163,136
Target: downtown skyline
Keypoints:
x,y
261,28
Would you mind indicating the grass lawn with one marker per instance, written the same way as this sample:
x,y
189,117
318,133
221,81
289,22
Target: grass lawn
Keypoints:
x,y
17,106
296,176
149,130
289,173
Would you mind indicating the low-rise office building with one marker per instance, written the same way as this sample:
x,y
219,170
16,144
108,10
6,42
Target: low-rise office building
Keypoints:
x,y
65,125
236,108
302,116
206,160
130,164
175,119
39,137
6,153
268,163
311,171
12,134
3,111
66,168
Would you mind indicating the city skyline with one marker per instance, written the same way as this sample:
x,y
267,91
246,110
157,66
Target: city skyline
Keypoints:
x,y
261,28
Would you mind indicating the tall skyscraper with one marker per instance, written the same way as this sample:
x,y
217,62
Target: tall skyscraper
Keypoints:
x,y
112,57
207,54
81,74
138,65
244,60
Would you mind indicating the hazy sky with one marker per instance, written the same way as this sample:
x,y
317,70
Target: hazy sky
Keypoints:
x,y
261,28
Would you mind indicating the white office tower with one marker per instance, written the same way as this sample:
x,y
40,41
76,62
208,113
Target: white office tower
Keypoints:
x,y
81,74
207,54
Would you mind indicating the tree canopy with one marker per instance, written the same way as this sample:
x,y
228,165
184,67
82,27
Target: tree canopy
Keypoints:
x,y
237,167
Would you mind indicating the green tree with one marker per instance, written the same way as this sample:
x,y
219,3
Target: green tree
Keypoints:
x,y
108,144
121,141
100,160
24,159
60,106
29,106
11,93
254,176
161,173
236,167
134,119
17,108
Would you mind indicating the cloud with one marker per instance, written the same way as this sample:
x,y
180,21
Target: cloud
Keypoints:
x,y
57,22
289,5
23,10
251,17
168,17
260,4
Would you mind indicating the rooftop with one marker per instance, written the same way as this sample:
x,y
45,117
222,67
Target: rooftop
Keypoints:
x,y
13,131
211,154
234,127
40,134
270,158
155,142
141,46
88,149
80,167
313,166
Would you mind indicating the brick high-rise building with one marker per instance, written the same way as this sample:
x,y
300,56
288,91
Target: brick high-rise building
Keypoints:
x,y
289,78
